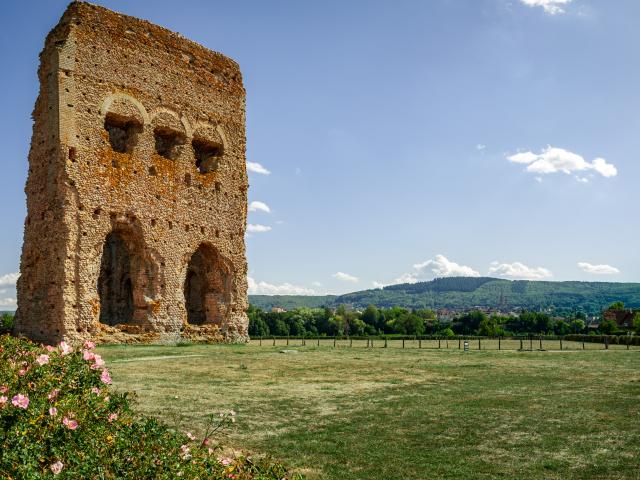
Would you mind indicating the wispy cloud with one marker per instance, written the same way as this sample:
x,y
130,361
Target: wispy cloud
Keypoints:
x,y
518,270
257,228
257,206
598,269
554,160
480,146
552,7
345,277
255,167
264,288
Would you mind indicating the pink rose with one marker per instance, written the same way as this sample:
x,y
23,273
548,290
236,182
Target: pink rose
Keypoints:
x,y
53,395
42,359
95,390
105,377
98,362
65,349
53,411
89,345
3,401
4,389
69,423
112,417
20,401
225,461
23,371
56,468
88,355
190,436
49,348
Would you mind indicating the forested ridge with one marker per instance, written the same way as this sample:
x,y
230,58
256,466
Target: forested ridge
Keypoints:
x,y
465,293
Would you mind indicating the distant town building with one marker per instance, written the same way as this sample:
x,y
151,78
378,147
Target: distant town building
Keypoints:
x,y
623,318
277,310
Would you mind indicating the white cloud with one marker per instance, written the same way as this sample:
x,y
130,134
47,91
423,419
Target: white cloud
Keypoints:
x,y
345,277
481,146
9,279
552,7
264,288
598,269
441,266
255,167
257,228
10,303
553,160
256,206
316,284
518,270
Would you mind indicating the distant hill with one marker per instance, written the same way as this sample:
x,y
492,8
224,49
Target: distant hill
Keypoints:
x,y
469,292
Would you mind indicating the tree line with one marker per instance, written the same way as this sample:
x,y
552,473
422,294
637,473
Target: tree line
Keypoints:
x,y
311,322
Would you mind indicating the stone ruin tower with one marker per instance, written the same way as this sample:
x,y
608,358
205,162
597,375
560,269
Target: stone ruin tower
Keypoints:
x,y
137,187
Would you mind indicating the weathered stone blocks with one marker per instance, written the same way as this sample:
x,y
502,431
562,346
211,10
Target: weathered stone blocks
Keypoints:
x,y
137,187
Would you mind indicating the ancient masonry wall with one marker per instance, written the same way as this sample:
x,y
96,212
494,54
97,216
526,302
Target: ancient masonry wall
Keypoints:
x,y
137,187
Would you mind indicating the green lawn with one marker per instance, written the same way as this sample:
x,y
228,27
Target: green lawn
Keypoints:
x,y
357,413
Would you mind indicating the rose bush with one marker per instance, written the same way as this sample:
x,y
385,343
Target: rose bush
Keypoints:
x,y
59,418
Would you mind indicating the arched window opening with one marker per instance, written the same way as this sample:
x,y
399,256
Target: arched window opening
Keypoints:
x,y
208,155
123,132
115,285
207,287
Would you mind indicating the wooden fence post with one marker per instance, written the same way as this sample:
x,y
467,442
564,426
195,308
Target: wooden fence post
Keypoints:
x,y
459,343
372,343
287,340
274,341
318,340
583,344
385,342
438,343
521,347
351,342
479,345
560,343
260,341
606,343
334,342
402,342
628,342
540,339
419,343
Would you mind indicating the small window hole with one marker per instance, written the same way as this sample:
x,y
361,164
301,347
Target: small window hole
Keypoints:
x,y
208,155
168,142
123,132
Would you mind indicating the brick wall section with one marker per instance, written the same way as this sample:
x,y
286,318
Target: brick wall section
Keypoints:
x,y
165,94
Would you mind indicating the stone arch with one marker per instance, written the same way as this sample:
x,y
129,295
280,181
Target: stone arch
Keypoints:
x,y
124,120
130,279
123,104
209,145
170,133
208,286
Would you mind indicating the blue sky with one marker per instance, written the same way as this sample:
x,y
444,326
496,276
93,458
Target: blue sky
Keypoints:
x,y
404,140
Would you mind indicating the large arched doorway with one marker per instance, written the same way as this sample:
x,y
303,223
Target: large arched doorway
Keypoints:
x,y
207,287
115,285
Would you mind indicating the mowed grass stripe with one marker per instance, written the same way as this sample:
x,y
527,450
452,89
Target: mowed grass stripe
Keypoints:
x,y
392,413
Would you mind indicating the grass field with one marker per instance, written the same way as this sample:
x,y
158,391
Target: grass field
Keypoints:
x,y
358,413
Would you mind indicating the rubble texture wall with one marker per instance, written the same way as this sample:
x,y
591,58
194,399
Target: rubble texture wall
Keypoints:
x,y
137,187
